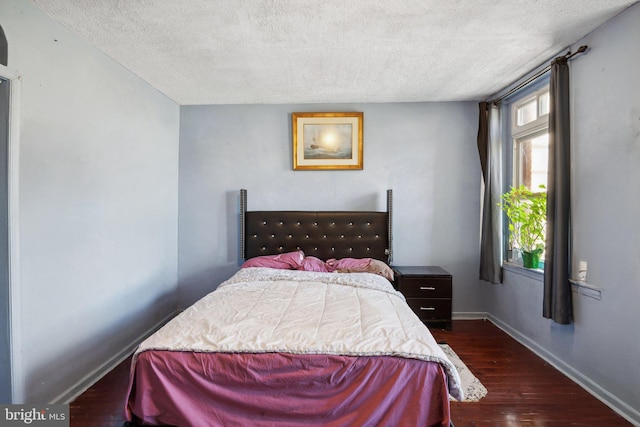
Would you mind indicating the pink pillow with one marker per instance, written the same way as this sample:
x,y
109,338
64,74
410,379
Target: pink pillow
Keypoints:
x,y
362,265
312,263
285,261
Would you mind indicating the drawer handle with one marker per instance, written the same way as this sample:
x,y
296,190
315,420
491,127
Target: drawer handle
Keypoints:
x,y
427,288
428,308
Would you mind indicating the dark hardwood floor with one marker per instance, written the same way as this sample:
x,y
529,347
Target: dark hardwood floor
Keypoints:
x,y
523,390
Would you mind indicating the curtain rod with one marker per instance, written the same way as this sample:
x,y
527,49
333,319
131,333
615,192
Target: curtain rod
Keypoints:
x,y
539,74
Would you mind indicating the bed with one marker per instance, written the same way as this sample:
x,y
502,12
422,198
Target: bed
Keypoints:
x,y
310,331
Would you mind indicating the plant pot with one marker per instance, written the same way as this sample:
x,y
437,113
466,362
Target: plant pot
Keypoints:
x,y
531,259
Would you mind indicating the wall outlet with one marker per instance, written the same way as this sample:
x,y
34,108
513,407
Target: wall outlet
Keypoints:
x,y
582,271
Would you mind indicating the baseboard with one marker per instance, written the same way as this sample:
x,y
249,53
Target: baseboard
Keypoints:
x,y
94,376
620,407
480,315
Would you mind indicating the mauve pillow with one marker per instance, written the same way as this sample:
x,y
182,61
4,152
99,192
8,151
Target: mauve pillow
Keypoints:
x,y
362,265
286,261
379,267
357,264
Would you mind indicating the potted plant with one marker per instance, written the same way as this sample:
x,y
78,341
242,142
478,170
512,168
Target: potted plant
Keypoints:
x,y
527,214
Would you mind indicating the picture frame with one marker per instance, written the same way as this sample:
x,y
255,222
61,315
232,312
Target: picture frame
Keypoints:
x,y
327,141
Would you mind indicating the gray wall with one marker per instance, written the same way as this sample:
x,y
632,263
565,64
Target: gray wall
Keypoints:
x,y
98,205
425,152
602,348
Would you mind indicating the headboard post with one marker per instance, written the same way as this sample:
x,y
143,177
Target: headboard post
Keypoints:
x,y
390,224
243,211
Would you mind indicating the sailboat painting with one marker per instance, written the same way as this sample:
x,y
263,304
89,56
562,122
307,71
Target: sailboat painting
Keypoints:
x,y
330,141
327,141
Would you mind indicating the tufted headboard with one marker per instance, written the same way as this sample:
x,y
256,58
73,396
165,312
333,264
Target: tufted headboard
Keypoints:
x,y
323,234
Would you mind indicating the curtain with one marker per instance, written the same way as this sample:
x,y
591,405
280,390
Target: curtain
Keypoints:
x,y
489,152
557,288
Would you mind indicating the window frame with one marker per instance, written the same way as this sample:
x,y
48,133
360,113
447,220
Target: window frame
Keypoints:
x,y
541,119
528,131
510,133
518,174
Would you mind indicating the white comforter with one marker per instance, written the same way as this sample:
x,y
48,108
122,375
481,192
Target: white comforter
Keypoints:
x,y
266,310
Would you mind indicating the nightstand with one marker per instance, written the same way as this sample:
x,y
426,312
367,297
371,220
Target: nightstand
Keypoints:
x,y
428,291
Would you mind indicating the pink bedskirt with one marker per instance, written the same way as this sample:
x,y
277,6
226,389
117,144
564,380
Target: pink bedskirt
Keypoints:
x,y
278,389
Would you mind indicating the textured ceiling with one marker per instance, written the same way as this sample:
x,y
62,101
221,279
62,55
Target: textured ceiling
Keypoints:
x,y
330,51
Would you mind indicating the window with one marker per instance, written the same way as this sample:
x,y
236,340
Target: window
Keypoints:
x,y
530,140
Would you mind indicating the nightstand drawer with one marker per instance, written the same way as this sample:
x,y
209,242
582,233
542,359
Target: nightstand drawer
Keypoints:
x,y
431,309
428,291
425,287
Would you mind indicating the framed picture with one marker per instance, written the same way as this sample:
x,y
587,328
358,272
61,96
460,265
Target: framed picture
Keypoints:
x,y
327,141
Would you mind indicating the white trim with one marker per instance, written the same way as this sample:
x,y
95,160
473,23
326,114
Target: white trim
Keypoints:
x,y
583,288
540,123
95,375
617,405
15,307
480,315
532,273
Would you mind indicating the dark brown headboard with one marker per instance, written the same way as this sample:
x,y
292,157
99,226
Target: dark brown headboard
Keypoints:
x,y
323,234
